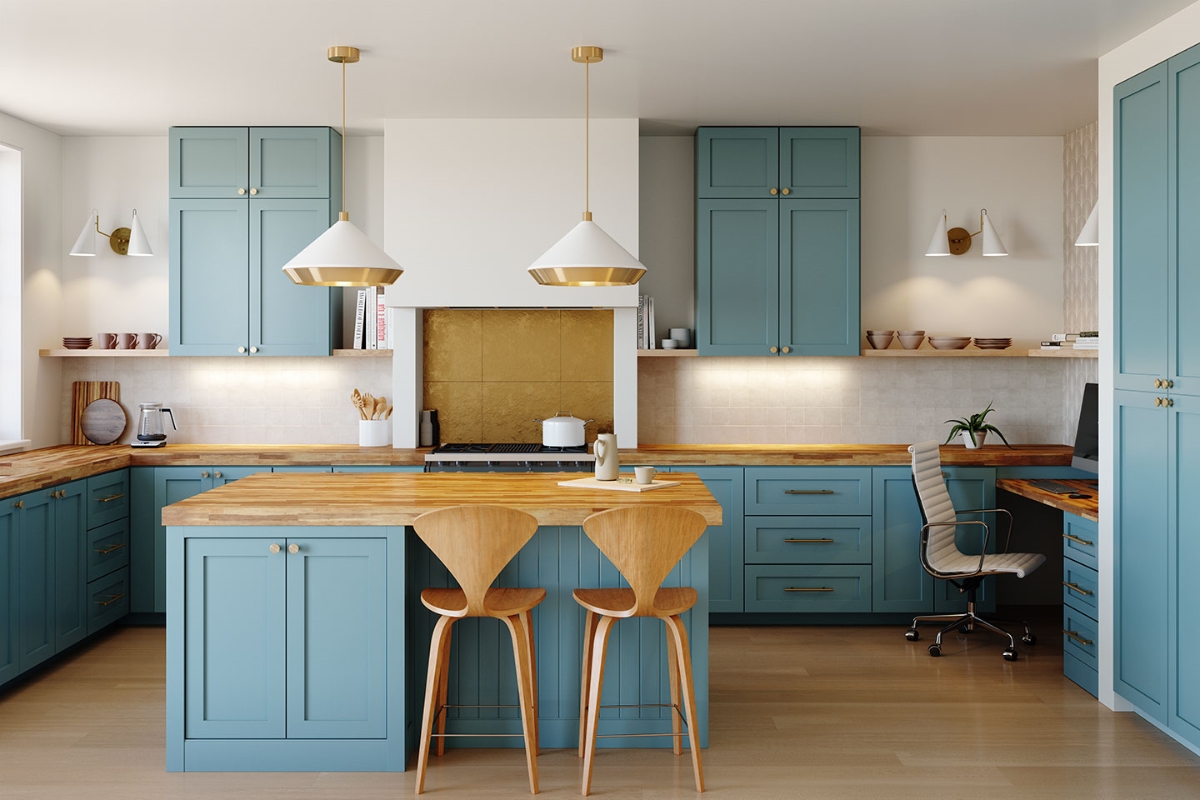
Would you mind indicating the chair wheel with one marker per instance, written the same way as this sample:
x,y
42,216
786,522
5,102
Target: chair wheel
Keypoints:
x,y
1010,655
935,650
1029,638
912,635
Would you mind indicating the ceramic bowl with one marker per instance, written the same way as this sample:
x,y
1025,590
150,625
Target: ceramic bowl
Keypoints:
x,y
949,342
880,340
910,340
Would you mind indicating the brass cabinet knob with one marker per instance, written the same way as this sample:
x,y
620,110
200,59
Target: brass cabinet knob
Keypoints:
x,y
1158,401
1168,402
293,548
1158,383
217,473
787,191
787,349
253,349
774,349
254,191
241,190
241,349
774,191
1169,384
204,474
19,504
274,548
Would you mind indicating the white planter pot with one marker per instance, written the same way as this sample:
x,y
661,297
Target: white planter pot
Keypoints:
x,y
979,437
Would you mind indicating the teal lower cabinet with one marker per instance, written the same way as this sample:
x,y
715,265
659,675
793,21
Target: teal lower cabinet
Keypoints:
x,y
1081,601
725,541
35,595
70,565
10,623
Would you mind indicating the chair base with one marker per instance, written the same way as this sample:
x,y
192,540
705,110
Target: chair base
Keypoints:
x,y
966,623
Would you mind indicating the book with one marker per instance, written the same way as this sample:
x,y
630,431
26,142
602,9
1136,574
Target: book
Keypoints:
x,y
650,321
359,310
641,322
1052,345
381,331
370,329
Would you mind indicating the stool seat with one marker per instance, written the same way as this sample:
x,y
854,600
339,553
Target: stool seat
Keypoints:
x,y
622,603
498,602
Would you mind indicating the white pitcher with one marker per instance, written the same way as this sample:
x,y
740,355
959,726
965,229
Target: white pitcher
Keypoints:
x,y
605,448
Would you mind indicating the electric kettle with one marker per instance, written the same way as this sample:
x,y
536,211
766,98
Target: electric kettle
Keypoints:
x,y
150,425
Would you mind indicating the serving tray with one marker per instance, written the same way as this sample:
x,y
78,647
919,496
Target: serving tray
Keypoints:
x,y
624,483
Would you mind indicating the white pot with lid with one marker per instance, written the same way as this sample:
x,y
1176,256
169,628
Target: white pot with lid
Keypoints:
x,y
563,431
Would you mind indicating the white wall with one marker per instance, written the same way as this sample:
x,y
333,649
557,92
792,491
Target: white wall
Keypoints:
x,y
41,302
668,230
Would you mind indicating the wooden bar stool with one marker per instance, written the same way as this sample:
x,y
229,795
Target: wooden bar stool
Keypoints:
x,y
644,543
475,543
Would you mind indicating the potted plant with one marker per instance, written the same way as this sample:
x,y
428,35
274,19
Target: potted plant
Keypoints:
x,y
974,429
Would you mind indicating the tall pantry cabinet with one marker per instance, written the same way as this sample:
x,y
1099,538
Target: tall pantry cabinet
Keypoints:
x,y
1156,399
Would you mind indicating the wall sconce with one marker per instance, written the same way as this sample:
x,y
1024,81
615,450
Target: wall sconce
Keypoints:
x,y
1090,235
123,241
957,241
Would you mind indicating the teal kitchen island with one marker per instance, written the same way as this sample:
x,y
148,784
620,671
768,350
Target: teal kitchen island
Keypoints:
x,y
296,640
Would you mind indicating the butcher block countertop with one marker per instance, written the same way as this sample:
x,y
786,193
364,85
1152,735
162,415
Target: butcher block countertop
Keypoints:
x,y
378,499
37,469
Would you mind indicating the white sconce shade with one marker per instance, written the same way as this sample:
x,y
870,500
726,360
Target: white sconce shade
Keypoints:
x,y
992,246
1090,235
939,243
343,256
587,256
85,244
139,245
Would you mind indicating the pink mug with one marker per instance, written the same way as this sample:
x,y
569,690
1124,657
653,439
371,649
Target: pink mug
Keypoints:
x,y
148,341
106,341
127,341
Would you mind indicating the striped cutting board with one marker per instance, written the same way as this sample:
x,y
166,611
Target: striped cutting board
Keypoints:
x,y
84,392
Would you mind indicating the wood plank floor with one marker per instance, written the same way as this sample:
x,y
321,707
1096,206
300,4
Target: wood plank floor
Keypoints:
x,y
814,712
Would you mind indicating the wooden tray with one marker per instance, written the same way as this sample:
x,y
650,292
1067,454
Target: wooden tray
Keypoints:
x,y
83,393
624,483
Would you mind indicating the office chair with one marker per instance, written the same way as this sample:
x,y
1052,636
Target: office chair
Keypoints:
x,y
942,559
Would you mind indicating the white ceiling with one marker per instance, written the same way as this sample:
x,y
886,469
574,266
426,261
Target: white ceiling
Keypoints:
x,y
910,67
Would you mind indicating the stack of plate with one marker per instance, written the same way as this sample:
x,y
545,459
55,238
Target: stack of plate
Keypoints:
x,y
995,343
949,342
77,342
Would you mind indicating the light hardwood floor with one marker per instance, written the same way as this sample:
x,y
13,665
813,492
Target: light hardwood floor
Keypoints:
x,y
809,712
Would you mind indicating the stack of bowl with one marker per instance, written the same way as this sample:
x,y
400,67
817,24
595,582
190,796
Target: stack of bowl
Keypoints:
x,y
910,340
880,340
949,342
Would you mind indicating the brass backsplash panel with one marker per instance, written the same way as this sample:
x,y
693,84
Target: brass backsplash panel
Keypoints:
x,y
491,373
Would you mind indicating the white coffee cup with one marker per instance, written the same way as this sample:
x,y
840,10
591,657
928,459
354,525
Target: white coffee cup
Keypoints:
x,y
669,344
644,475
681,335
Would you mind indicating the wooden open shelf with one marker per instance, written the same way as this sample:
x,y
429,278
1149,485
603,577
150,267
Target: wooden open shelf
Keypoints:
x,y
1068,353
929,352
92,352
350,353
676,353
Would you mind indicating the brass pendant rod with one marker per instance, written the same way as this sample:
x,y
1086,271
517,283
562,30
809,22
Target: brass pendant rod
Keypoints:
x,y
343,214
587,144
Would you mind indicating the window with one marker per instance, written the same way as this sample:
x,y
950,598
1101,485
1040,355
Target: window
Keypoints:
x,y
10,295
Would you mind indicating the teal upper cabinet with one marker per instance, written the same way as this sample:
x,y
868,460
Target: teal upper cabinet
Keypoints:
x,y
777,162
1184,235
243,203
777,266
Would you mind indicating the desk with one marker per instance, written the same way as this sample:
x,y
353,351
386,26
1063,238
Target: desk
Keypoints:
x,y
1086,507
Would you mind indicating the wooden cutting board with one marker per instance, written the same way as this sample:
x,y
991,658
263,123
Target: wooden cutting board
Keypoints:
x,y
103,421
83,393
624,483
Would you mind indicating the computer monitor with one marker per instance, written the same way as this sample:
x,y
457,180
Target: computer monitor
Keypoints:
x,y
1087,435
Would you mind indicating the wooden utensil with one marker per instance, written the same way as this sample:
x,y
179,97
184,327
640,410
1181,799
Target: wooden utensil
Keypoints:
x,y
83,393
103,421
357,399
380,406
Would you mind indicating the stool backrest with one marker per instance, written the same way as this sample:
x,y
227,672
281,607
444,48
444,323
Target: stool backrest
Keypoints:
x,y
645,543
475,543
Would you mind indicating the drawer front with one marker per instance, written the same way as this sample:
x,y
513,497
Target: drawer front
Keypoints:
x,y
808,540
1079,587
809,490
107,548
1079,636
819,588
107,498
108,599
1082,674
1079,540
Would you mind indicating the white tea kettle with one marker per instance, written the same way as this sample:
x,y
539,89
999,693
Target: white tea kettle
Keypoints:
x,y
607,462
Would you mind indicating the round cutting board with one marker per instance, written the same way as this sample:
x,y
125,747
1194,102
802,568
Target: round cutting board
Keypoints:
x,y
103,421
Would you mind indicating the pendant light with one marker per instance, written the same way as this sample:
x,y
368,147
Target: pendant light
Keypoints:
x,y
587,256
343,255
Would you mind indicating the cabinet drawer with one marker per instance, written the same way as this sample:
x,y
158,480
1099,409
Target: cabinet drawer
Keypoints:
x,y
807,490
1079,636
808,540
1082,674
808,588
1079,540
108,599
107,498
1079,587
107,548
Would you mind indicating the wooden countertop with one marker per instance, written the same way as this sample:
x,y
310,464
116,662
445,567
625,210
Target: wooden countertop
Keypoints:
x,y
37,469
373,499
1087,507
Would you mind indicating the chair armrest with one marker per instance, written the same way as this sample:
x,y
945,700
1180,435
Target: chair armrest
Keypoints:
x,y
925,541
1005,511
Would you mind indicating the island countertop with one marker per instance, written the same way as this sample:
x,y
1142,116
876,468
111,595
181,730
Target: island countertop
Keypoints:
x,y
375,499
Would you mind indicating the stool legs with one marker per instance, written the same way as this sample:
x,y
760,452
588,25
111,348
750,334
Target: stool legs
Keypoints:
x,y
675,629
443,691
594,688
676,706
437,650
521,652
531,649
589,637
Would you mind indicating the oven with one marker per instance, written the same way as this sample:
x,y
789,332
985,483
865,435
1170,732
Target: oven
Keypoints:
x,y
509,457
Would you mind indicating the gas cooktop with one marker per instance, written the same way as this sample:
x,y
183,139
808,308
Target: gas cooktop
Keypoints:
x,y
507,451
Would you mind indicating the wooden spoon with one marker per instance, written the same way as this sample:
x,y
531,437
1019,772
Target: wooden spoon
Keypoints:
x,y
380,406
357,399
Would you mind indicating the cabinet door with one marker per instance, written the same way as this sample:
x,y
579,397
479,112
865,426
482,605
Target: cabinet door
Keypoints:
x,y
1184,133
336,639
209,162
819,162
737,162
10,625
1183,624
292,162
1141,574
209,287
286,319
737,277
1140,234
171,484
234,623
725,541
35,523
70,564
819,277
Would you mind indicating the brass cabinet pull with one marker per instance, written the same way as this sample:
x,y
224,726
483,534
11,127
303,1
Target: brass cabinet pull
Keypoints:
x,y
774,349
293,548
1077,540
112,598
808,491
274,548
808,589
1158,401
111,549
1075,588
19,504
787,191
110,498
217,473
810,541
1168,402
241,349
1169,384
254,191
241,191
1158,383
1075,635
787,349
204,474
774,191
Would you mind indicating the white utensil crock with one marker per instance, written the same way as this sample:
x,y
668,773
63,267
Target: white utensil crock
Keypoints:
x,y
373,432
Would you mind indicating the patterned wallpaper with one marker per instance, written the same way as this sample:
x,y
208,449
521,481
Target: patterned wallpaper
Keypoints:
x,y
1081,282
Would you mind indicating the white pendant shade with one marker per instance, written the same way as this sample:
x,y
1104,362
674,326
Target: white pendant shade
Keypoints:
x,y
587,256
85,245
343,256
139,245
939,243
1090,235
992,246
